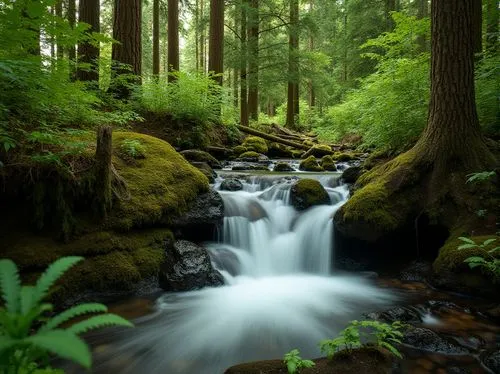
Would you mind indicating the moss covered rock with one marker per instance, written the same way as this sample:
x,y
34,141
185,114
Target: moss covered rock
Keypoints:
x,y
308,192
278,150
201,156
343,157
239,149
283,167
310,164
206,170
254,143
328,164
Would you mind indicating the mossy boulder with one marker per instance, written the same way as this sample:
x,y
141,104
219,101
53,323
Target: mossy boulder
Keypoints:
x,y
250,156
310,164
351,174
206,170
283,167
296,153
318,150
328,164
239,149
201,156
308,192
254,143
343,157
278,150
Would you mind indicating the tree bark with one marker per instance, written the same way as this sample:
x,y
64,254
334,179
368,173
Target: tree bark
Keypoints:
x,y
59,13
202,38
173,38
311,94
71,15
89,12
243,72
128,50
293,66
422,12
103,175
216,40
477,28
253,60
156,38
492,22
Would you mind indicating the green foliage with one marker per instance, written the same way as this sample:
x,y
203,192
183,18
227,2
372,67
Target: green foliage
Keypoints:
x,y
487,83
295,363
28,335
480,177
133,148
353,336
490,263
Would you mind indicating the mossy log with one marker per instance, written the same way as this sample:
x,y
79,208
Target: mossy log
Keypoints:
x,y
272,138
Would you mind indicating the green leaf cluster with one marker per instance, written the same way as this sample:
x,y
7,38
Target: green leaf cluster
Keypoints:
x,y
295,363
490,263
359,333
28,335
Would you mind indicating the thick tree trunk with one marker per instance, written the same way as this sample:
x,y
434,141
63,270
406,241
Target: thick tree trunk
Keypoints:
x,y
243,72
173,38
128,50
89,12
293,66
422,12
477,26
202,37
72,50
492,22
253,60
156,38
103,174
310,87
196,34
216,42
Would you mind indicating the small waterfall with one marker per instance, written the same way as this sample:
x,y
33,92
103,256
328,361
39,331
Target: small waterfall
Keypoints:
x,y
280,290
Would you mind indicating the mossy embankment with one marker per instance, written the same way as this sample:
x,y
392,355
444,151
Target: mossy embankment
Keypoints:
x,y
51,214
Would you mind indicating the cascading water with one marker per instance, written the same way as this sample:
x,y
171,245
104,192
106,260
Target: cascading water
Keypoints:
x,y
279,294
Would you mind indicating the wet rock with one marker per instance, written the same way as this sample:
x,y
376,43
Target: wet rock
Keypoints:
x,y
351,174
205,169
231,184
251,156
308,192
277,150
403,314
283,167
201,156
492,361
416,272
245,167
188,267
204,216
310,164
220,153
428,340
457,370
252,210
328,164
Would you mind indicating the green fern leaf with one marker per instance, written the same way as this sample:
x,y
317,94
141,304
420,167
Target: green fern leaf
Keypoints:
x,y
7,343
467,246
10,285
489,241
466,240
27,299
98,322
72,313
64,344
392,349
52,274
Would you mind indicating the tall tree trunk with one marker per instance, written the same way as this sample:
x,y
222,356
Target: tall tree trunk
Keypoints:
x,y
477,22
173,38
492,21
293,67
216,43
243,71
52,40
311,94
128,50
196,34
72,50
253,60
202,37
103,166
422,12
59,13
156,38
89,12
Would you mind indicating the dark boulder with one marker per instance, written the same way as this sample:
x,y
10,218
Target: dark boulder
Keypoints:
x,y
200,222
231,184
351,174
201,156
492,361
206,170
308,192
283,167
403,314
188,267
428,340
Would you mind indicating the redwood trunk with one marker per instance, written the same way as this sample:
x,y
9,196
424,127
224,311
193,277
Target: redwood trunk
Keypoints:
x,y
253,60
243,73
72,50
173,38
89,12
477,26
293,67
59,13
216,42
156,38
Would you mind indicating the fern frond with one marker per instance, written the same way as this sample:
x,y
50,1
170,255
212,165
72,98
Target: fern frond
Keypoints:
x,y
51,275
27,299
7,343
10,285
72,313
105,320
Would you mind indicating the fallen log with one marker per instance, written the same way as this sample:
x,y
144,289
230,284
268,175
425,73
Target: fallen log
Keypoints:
x,y
272,138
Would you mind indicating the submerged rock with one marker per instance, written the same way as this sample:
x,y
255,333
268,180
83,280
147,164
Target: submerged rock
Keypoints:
x,y
188,267
231,184
308,192
428,340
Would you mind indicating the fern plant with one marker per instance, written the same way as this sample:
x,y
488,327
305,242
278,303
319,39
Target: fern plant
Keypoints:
x,y
490,263
28,335
294,363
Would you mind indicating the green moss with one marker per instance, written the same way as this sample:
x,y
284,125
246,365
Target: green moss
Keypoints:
x,y
254,143
328,164
310,164
323,147
308,142
343,157
371,205
451,258
297,153
250,154
308,192
239,149
161,185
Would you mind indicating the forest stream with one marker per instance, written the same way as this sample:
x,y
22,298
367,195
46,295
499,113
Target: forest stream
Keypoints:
x,y
282,292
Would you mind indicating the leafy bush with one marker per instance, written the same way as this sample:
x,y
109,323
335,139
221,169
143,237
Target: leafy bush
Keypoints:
x,y
133,148
487,94
295,363
28,335
381,334
490,263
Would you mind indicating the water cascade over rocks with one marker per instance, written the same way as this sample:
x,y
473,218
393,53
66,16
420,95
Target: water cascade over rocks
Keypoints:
x,y
280,291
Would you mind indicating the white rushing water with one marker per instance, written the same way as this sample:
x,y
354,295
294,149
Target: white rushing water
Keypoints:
x,y
280,292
